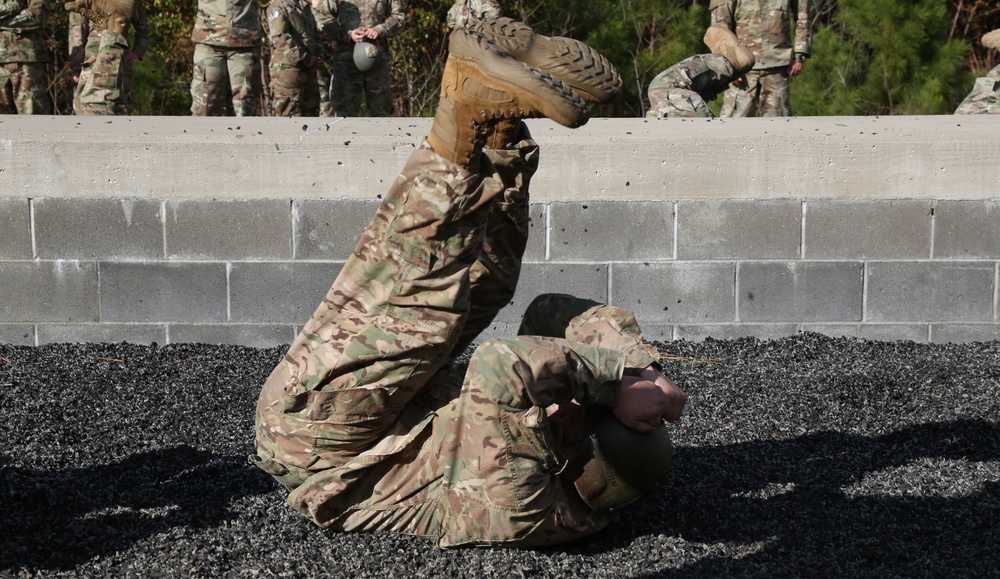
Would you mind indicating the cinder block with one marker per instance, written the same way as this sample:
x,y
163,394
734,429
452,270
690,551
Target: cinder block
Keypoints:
x,y
226,229
967,229
15,228
611,231
252,335
771,291
98,228
48,291
537,223
17,334
676,292
739,229
163,292
963,333
873,229
658,332
278,292
329,228
878,332
699,332
589,281
107,333
952,291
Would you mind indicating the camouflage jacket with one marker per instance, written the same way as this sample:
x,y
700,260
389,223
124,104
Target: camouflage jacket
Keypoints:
x,y
21,31
337,18
82,35
684,89
763,27
293,33
984,97
465,12
229,23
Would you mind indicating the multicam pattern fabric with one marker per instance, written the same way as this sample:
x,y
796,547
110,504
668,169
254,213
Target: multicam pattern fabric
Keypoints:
x,y
229,23
226,81
763,26
105,79
336,19
23,89
984,97
295,48
23,82
683,89
371,429
465,13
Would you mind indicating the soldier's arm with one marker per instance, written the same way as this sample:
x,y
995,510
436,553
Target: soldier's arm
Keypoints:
x,y
304,30
328,24
803,27
722,13
393,22
31,17
78,30
142,30
284,48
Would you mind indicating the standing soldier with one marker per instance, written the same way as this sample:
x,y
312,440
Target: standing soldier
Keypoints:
x,y
763,27
294,57
465,13
226,79
370,24
985,95
101,60
23,55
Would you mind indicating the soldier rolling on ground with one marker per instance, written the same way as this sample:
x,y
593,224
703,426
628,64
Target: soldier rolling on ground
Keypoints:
x,y
23,55
985,95
295,56
226,79
360,58
763,27
684,89
365,420
102,68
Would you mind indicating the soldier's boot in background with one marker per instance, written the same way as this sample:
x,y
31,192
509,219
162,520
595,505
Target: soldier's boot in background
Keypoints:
x,y
105,14
584,69
721,40
484,84
992,39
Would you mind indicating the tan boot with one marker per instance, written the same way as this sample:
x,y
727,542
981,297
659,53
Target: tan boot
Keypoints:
x,y
721,40
584,69
992,39
483,84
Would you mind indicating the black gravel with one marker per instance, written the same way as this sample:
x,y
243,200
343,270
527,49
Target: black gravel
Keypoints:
x,y
805,456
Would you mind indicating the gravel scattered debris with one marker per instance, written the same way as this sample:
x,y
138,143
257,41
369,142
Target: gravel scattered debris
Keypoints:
x,y
803,456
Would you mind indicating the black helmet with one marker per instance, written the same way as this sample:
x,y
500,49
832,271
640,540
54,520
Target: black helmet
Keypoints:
x,y
620,465
366,56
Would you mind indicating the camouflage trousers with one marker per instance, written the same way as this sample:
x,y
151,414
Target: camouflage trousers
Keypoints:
x,y
105,86
294,92
324,82
767,94
371,429
24,89
226,81
984,98
350,85
679,102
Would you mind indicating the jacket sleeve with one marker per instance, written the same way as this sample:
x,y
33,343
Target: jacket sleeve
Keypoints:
x,y
30,18
393,21
723,13
79,29
328,23
286,47
803,27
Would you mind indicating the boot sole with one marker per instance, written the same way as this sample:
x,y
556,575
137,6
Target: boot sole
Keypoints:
x,y
554,98
584,69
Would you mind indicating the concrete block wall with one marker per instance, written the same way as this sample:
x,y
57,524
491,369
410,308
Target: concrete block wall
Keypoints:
x,y
133,248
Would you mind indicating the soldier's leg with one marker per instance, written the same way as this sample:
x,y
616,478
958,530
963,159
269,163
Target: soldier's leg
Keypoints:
x,y
309,94
210,92
775,94
285,85
742,101
101,93
324,77
244,78
7,90
348,86
378,91
30,89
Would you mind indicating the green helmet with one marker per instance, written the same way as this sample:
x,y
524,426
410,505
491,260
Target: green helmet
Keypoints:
x,y
367,56
620,465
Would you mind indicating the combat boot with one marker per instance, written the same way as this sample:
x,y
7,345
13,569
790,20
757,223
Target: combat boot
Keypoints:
x,y
721,40
992,39
584,69
483,84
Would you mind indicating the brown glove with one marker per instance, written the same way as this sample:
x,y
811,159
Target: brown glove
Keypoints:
x,y
105,14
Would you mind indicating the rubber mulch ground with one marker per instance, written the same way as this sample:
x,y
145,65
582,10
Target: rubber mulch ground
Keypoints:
x,y
801,457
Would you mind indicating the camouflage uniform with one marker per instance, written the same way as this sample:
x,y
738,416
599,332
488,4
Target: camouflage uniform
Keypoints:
x,y
227,70
23,56
984,97
368,426
336,19
684,89
763,26
465,13
104,85
294,50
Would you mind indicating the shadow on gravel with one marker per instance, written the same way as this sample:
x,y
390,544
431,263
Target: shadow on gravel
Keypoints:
x,y
58,519
831,502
